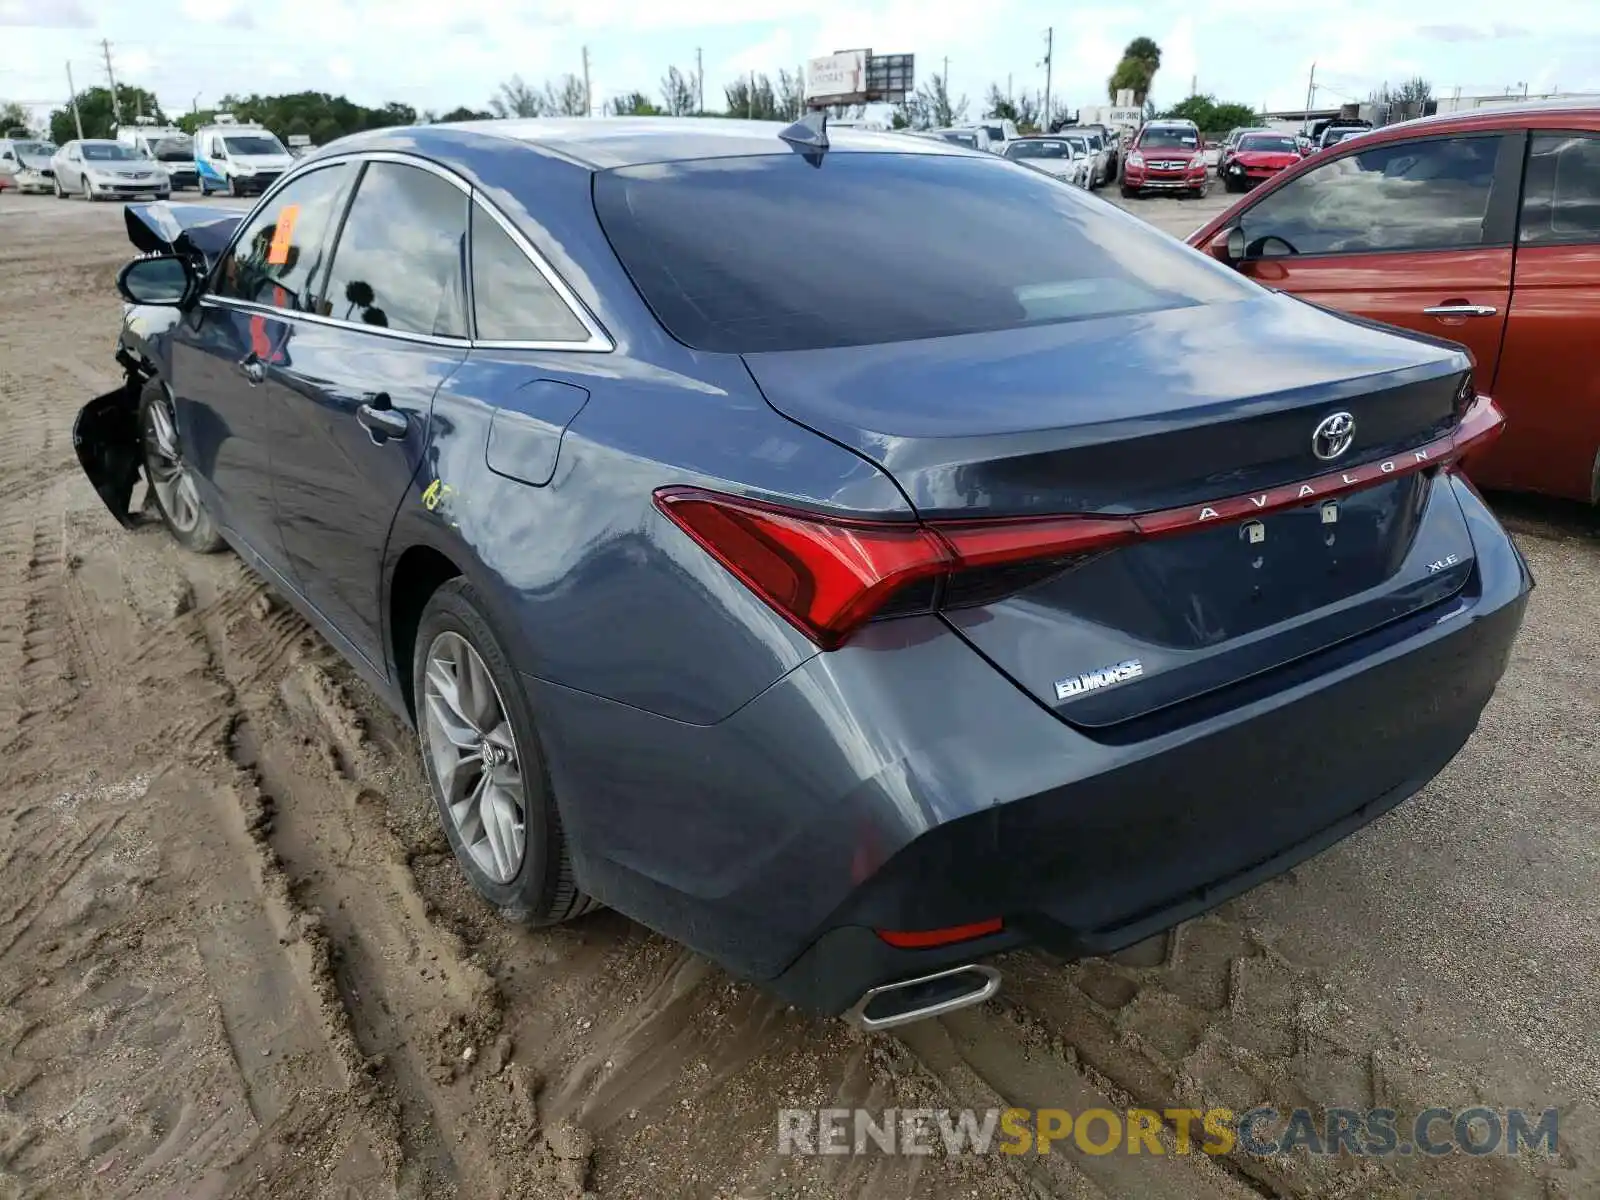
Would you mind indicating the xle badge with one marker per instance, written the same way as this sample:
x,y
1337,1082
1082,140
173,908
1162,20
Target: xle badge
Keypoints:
x,y
1093,681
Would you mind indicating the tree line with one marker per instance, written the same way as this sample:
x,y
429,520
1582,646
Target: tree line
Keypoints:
x,y
323,117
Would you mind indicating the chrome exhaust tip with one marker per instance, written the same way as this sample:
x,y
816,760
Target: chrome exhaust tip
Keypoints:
x,y
909,1000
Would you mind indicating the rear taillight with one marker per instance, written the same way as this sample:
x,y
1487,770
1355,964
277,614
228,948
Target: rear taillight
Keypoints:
x,y
828,576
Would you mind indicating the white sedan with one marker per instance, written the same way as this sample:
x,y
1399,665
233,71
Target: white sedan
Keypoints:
x,y
100,169
1063,156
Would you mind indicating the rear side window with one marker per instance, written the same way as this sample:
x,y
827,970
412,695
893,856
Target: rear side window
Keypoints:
x,y
513,301
402,254
1561,199
1424,195
770,253
274,261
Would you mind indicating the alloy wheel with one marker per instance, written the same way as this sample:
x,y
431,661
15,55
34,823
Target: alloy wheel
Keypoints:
x,y
475,757
163,458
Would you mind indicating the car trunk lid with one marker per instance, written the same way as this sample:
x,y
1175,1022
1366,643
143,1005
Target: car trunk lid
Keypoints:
x,y
1196,424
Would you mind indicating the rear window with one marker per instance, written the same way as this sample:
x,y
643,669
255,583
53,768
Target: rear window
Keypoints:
x,y
751,254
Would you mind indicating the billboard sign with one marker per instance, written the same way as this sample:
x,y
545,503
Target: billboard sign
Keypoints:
x,y
837,78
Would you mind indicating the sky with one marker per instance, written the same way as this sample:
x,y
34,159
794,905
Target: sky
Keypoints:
x,y
444,53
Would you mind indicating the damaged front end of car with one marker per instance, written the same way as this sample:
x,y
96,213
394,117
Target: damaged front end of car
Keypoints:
x,y
105,434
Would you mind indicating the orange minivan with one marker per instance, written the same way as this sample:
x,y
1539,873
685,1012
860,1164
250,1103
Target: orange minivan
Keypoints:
x,y
1482,228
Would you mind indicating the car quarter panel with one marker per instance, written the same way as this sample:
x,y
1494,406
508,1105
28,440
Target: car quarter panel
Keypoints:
x,y
594,588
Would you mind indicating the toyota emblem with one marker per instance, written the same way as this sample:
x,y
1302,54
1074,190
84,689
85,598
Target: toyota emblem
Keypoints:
x,y
1333,435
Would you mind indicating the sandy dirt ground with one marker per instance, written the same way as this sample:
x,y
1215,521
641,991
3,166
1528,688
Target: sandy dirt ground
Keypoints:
x,y
236,958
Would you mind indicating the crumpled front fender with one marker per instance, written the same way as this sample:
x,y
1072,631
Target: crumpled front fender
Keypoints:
x,y
106,438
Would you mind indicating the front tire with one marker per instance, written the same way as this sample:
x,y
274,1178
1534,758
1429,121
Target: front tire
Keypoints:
x,y
171,480
56,186
485,764
233,187
1129,193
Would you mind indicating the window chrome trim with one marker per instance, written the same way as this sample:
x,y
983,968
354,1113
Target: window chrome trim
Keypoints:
x,y
598,341
291,314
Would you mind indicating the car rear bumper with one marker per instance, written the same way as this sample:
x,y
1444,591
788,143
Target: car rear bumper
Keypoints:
x,y
902,783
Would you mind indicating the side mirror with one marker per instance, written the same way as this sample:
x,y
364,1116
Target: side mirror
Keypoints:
x,y
164,280
1234,245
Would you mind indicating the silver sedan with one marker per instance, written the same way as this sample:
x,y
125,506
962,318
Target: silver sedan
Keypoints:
x,y
98,169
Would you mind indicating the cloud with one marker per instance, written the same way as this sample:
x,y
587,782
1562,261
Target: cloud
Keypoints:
x,y
45,14
1470,33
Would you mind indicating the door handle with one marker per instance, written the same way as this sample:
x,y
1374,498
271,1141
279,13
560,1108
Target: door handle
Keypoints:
x,y
254,369
380,419
1461,310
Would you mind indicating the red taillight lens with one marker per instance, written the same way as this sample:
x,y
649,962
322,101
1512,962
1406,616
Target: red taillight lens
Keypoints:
x,y
828,576
1481,423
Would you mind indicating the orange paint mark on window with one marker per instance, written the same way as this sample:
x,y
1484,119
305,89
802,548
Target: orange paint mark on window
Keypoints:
x,y
282,236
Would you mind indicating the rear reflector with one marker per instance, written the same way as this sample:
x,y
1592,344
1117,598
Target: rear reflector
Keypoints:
x,y
828,575
923,939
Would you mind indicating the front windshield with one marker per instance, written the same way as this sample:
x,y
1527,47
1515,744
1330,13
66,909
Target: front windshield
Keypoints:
x,y
995,132
173,149
1343,134
1271,142
35,149
970,140
1079,147
253,143
1038,150
1169,139
109,152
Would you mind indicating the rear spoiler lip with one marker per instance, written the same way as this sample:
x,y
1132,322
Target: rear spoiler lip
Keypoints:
x,y
191,230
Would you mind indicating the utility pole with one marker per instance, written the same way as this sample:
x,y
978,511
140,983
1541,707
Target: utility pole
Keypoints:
x,y
699,81
73,92
116,106
750,100
1049,56
1311,87
1194,85
588,100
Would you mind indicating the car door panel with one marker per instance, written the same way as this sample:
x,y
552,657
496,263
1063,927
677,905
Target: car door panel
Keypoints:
x,y
1549,386
337,486
357,395
230,413
1415,233
1399,289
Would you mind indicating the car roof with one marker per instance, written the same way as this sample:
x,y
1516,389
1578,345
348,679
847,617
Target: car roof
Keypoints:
x,y
605,142
1170,123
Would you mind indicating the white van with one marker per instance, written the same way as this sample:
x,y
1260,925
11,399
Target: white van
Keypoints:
x,y
238,159
167,145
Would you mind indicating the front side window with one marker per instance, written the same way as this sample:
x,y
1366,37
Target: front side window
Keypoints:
x,y
275,260
1425,195
766,252
401,256
512,300
1561,198
216,148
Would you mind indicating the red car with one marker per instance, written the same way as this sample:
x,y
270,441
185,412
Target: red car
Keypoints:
x,y
1257,158
1482,228
1165,157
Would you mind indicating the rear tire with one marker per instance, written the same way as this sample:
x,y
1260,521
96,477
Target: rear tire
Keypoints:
x,y
501,819
171,480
